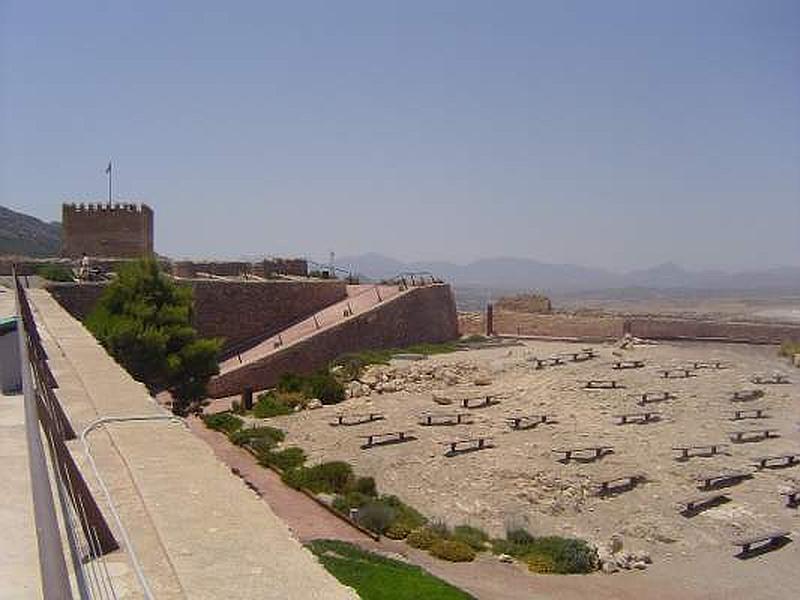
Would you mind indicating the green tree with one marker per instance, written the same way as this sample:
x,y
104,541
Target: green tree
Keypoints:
x,y
143,319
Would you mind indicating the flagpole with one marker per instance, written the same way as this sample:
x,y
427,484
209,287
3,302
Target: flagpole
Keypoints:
x,y
109,183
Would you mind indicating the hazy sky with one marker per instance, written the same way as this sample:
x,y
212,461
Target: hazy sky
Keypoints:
x,y
616,134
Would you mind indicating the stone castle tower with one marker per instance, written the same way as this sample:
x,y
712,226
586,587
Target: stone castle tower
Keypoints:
x,y
107,230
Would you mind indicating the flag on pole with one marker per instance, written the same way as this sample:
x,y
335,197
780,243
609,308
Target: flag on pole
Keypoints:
x,y
108,168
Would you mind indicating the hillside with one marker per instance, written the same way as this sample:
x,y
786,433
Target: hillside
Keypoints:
x,y
23,235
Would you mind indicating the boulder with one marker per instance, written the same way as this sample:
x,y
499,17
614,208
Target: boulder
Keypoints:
x,y
314,403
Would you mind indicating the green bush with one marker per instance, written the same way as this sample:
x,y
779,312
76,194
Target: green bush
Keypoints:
x,y
568,555
540,563
268,436
325,387
375,516
452,550
472,536
366,486
422,538
55,272
269,405
397,531
224,422
405,516
144,320
344,502
290,383
330,478
285,460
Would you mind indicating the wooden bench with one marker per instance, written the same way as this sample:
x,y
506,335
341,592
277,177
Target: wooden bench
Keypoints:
x,y
594,452
648,397
676,373
747,395
608,486
792,497
783,460
627,364
752,435
749,413
603,384
694,504
554,361
528,421
638,417
770,379
746,543
432,419
357,419
386,437
466,445
716,364
700,450
712,480
478,402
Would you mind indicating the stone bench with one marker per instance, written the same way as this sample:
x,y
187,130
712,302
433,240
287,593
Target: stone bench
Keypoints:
x,y
638,417
696,503
749,413
528,421
627,364
712,480
700,450
676,373
603,384
649,397
478,402
594,452
434,419
746,543
770,379
747,395
385,438
619,483
554,361
466,445
716,364
356,419
783,460
753,435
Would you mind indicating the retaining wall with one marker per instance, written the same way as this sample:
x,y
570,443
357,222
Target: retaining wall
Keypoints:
x,y
558,325
426,314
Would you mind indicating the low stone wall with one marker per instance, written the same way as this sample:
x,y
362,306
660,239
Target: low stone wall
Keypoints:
x,y
558,325
697,329
237,311
471,323
425,314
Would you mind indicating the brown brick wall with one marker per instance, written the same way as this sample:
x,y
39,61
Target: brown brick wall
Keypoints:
x,y
236,311
117,230
695,329
558,325
422,315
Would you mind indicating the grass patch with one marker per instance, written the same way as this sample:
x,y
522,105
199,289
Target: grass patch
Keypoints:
x,y
270,404
55,272
378,578
224,422
285,460
335,477
789,348
475,538
257,437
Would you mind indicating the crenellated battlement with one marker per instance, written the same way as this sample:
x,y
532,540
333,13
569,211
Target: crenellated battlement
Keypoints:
x,y
108,230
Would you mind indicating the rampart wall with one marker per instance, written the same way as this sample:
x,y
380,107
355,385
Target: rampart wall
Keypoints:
x,y
107,230
558,325
237,311
424,314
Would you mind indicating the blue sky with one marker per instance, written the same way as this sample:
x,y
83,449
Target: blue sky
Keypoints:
x,y
619,133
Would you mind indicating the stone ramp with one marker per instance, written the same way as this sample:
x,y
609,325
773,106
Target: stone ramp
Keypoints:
x,y
197,530
373,317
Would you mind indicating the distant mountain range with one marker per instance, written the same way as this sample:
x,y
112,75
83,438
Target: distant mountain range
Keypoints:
x,y
24,235
521,273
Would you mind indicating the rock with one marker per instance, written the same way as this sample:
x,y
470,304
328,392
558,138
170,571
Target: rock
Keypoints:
x,y
642,556
609,567
638,565
313,404
482,381
505,558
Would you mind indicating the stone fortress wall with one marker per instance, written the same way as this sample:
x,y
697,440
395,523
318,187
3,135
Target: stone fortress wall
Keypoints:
x,y
107,230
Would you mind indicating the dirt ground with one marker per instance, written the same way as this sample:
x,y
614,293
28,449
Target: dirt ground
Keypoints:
x,y
520,482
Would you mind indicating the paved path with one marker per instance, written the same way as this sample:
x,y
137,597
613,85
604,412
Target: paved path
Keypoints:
x,y
19,560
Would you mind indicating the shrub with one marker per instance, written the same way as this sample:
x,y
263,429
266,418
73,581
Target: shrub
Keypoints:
x,y
568,555
55,272
422,538
270,435
519,537
268,405
397,531
224,422
406,516
366,486
540,563
324,386
375,516
290,382
285,460
343,503
331,478
440,528
452,550
472,536
144,320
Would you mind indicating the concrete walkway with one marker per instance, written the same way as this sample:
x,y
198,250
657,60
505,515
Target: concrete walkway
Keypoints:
x,y
19,560
198,531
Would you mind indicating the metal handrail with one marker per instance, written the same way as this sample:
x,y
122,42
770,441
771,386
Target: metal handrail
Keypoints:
x,y
52,564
